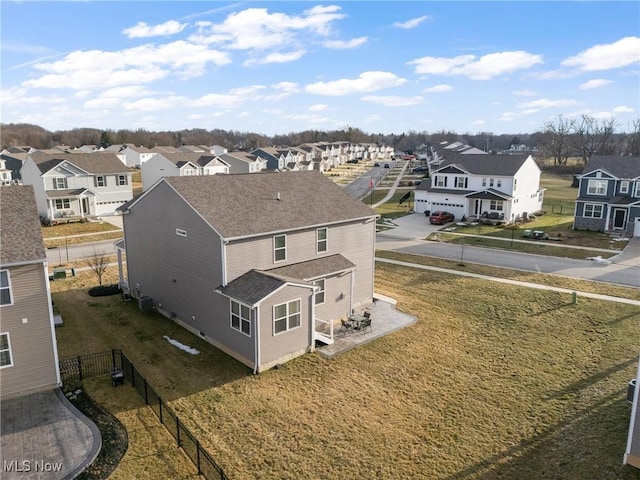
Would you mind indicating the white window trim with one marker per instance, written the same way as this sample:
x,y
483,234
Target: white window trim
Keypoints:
x,y
242,319
318,241
279,248
594,206
62,201
10,364
101,179
322,290
499,205
8,287
64,183
288,329
596,182
181,233
637,189
123,180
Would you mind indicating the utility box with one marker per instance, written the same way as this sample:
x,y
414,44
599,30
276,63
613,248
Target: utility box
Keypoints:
x,y
145,303
59,274
631,390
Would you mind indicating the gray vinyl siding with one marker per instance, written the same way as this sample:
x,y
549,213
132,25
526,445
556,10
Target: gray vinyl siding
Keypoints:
x,y
336,297
32,345
180,273
355,241
285,344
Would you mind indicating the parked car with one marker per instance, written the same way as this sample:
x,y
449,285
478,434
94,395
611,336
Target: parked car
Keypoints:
x,y
377,164
386,165
440,217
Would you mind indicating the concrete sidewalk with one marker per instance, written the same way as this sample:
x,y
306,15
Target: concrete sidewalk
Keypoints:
x,y
45,437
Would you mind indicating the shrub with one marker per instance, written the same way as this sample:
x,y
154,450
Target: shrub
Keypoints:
x,y
105,290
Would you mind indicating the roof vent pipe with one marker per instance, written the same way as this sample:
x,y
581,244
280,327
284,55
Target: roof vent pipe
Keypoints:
x,y
278,196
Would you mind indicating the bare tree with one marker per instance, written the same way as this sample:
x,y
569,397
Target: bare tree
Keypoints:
x,y
555,140
98,262
592,136
632,139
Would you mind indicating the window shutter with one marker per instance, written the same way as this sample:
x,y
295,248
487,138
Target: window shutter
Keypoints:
x,y
445,181
55,183
95,181
466,182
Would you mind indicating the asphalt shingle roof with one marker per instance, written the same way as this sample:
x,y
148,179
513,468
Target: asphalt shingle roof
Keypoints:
x,y
97,163
315,268
249,204
20,234
482,164
255,285
621,167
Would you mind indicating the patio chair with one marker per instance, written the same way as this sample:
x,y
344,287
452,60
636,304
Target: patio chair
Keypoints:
x,y
346,326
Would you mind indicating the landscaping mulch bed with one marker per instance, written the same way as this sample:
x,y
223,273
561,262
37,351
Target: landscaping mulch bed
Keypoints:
x,y
114,436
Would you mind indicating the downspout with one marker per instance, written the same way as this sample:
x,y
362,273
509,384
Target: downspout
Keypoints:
x,y
51,325
257,340
223,261
351,275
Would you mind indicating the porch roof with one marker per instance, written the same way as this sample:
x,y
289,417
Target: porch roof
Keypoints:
x,y
316,268
73,192
489,194
255,285
623,200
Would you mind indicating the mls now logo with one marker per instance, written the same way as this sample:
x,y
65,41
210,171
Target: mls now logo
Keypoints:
x,y
29,466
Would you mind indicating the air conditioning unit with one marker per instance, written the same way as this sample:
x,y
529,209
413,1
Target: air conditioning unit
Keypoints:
x,y
145,303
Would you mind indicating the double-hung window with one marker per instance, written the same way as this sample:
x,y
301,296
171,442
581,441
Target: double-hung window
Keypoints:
x,y
461,182
60,183
63,203
122,180
240,317
441,181
286,316
279,248
101,181
496,205
5,288
624,186
319,297
592,210
597,187
5,351
321,239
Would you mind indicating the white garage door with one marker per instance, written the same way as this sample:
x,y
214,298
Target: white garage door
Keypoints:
x,y
636,229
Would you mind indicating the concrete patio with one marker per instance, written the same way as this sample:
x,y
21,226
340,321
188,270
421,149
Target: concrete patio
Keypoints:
x,y
45,437
385,319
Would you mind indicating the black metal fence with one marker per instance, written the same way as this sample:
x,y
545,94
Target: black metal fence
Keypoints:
x,y
103,363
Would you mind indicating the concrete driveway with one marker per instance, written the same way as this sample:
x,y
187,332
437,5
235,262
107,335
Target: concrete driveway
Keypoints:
x,y
413,226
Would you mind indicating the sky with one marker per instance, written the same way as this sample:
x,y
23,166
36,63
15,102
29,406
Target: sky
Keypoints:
x,y
279,67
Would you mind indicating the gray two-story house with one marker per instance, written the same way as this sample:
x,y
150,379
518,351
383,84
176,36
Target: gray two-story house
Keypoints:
x,y
609,195
258,265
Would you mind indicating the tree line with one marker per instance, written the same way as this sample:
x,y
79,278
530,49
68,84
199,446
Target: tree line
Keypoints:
x,y
559,139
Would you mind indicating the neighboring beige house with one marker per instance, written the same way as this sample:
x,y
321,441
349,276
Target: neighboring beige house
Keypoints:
x,y
243,162
258,265
28,350
77,185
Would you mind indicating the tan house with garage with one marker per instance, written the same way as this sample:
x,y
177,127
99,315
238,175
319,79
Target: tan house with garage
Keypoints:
x,y
28,349
258,265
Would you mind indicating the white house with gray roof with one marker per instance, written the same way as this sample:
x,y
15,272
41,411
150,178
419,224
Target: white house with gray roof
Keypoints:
x,y
258,265
471,185
243,162
71,186
28,348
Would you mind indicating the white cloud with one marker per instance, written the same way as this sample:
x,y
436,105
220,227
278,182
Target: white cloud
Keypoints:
x,y
276,57
366,82
96,69
414,22
345,44
546,103
595,83
478,122
318,107
143,30
484,68
622,53
289,87
623,109
154,104
439,88
219,100
257,29
393,101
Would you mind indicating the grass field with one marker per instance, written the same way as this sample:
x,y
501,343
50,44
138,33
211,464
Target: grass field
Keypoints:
x,y
493,381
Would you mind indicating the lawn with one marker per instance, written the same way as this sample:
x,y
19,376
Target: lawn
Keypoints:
x,y
504,382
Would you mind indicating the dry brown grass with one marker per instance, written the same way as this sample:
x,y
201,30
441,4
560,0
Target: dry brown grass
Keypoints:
x,y
493,381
